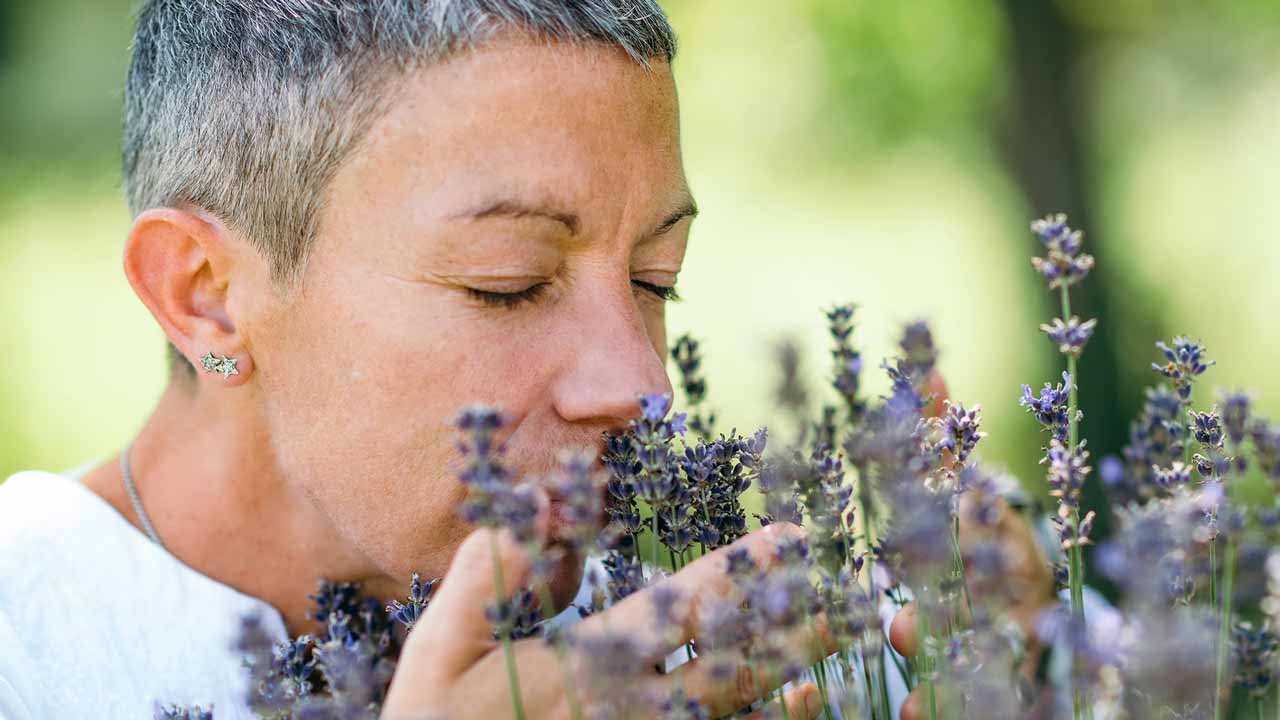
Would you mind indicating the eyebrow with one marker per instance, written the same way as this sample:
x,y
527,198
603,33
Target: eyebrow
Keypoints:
x,y
515,209
689,209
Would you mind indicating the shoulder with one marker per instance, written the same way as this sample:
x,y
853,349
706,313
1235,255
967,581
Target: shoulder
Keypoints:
x,y
42,513
98,621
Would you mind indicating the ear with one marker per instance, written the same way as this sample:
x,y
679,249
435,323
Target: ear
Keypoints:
x,y
181,263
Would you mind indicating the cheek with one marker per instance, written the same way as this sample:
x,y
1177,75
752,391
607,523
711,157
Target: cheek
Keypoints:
x,y
359,395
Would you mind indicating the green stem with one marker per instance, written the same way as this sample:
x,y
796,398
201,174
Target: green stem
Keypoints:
x,y
820,667
570,687
1213,572
1224,626
1080,707
885,703
513,680
655,538
958,558
866,682
922,657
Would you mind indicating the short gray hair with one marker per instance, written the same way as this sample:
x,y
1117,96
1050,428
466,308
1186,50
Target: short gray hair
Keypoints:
x,y
247,108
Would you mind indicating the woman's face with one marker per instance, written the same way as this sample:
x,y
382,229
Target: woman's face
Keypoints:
x,y
505,235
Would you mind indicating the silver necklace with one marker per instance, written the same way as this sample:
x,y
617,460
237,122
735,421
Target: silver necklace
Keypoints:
x,y
133,497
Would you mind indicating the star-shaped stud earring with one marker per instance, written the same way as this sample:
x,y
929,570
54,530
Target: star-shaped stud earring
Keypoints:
x,y
228,367
211,363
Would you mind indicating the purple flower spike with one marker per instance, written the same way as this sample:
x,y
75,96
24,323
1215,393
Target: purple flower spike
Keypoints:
x,y
1071,336
1050,407
419,595
655,406
1065,265
1185,361
1235,415
174,712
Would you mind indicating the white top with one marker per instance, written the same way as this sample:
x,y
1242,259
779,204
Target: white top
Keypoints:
x,y
98,621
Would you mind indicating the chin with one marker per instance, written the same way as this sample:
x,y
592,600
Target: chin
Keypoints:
x,y
566,579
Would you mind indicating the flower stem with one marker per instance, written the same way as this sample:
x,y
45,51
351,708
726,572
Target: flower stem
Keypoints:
x,y
570,687
1213,572
513,680
1081,707
923,658
820,667
958,559
655,539
1224,626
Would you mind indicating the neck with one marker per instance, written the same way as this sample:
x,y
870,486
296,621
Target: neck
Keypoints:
x,y
209,481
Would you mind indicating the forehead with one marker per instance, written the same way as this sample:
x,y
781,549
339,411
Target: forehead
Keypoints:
x,y
535,120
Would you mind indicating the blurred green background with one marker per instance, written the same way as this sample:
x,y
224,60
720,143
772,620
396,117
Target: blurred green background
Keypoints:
x,y
885,153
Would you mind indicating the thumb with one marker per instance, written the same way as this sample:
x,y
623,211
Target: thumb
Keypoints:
x,y
936,387
453,632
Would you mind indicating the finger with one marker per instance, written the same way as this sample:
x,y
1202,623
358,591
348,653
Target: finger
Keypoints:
x,y
936,387
803,701
705,579
1027,578
453,633
917,704
902,631
723,687
914,707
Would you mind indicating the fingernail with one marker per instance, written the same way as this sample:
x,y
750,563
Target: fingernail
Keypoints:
x,y
813,704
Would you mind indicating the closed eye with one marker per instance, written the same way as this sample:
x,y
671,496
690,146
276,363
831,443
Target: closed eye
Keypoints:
x,y
663,292
508,300
532,293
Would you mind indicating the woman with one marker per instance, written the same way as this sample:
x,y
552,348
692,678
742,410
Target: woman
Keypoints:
x,y
350,221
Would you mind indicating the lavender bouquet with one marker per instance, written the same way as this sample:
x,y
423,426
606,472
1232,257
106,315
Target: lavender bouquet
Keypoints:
x,y
885,489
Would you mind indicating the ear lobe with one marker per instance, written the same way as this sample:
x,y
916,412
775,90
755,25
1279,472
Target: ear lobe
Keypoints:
x,y
178,265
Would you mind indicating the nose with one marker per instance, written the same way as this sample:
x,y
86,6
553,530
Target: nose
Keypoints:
x,y
614,358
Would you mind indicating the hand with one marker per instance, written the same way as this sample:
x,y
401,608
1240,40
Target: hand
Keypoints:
x,y
452,668
1028,580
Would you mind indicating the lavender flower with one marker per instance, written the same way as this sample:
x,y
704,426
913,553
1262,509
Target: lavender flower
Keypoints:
x,y
848,361
579,485
1184,362
419,595
626,575
791,393
688,360
918,350
682,707
1253,649
296,664
960,431
1050,407
1235,415
516,618
1071,336
483,473
1064,264
174,712
1266,444
1172,666
1156,438
331,598
1175,476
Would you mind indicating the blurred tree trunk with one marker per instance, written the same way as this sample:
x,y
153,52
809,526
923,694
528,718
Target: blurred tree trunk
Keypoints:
x,y
1047,152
